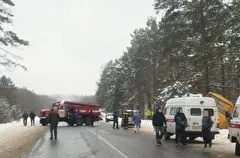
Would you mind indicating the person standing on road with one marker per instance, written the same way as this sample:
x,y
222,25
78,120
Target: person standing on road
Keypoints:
x,y
115,120
206,128
53,119
158,122
181,123
78,117
125,120
137,121
25,117
32,117
92,118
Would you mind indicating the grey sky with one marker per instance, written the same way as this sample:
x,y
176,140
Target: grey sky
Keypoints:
x,y
71,40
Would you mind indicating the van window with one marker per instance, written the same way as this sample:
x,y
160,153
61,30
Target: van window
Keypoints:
x,y
178,108
173,111
165,111
210,111
195,112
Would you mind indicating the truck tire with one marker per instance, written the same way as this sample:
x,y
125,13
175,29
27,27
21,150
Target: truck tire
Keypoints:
x,y
87,121
192,138
237,149
80,122
44,124
167,136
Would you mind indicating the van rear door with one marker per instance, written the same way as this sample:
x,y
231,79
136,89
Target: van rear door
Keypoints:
x,y
194,119
214,116
171,111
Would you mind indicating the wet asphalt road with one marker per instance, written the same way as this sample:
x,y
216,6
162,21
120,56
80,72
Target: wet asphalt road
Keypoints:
x,y
102,141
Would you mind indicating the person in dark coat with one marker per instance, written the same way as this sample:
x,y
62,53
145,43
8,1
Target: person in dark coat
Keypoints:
x,y
25,117
92,118
115,120
32,117
158,122
206,128
53,119
181,123
125,120
78,117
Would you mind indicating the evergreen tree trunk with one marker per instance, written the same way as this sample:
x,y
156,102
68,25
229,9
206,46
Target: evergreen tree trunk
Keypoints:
x,y
223,75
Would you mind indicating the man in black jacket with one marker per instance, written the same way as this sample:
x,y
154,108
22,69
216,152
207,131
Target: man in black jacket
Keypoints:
x,y
25,117
92,118
32,117
115,120
53,119
158,122
181,123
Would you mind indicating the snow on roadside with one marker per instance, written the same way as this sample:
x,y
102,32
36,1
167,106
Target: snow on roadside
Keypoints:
x,y
15,124
221,143
17,140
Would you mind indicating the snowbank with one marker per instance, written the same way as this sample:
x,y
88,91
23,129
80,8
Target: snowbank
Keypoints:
x,y
15,124
17,140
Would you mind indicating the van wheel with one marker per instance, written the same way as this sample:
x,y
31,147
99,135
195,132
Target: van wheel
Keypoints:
x,y
87,121
192,138
167,136
80,122
237,149
44,124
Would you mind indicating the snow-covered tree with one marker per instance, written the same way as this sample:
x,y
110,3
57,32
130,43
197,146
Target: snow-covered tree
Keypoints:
x,y
176,89
195,43
5,111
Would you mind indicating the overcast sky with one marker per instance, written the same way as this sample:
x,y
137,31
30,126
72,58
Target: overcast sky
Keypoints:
x,y
71,41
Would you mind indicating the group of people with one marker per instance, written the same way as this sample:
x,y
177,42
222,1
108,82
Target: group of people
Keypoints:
x,y
160,125
32,118
136,120
53,119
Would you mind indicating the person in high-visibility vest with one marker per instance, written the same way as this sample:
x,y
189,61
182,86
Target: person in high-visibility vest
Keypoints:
x,y
148,113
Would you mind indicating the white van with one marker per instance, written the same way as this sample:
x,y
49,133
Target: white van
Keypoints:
x,y
193,108
234,129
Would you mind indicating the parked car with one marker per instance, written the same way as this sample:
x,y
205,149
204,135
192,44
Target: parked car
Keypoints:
x,y
109,117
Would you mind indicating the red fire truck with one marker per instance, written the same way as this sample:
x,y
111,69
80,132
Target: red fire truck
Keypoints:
x,y
72,112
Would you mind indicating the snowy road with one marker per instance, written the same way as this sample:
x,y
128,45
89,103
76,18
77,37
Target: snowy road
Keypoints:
x,y
102,141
